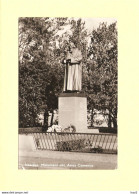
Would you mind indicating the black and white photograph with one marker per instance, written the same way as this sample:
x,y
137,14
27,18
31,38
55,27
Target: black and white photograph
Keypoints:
x,y
67,93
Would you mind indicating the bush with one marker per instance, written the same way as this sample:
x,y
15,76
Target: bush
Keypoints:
x,y
107,130
30,130
70,145
97,150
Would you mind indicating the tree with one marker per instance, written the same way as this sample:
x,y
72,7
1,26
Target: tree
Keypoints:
x,y
39,67
42,47
101,76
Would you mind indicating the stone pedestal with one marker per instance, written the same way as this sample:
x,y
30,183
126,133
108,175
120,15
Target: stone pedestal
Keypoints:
x,y
73,110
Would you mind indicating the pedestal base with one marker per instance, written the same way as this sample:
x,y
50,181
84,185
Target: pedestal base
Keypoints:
x,y
73,110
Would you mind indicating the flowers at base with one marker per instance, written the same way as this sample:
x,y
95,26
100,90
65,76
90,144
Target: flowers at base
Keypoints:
x,y
70,129
55,128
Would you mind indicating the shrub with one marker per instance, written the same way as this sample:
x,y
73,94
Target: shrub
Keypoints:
x,y
97,150
70,145
30,130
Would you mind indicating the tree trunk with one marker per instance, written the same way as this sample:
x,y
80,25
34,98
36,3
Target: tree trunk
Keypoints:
x,y
45,126
92,118
52,117
34,120
114,120
109,121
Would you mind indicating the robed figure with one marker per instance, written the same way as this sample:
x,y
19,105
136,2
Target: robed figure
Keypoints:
x,y
73,70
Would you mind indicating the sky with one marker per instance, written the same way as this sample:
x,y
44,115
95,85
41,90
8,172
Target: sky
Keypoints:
x,y
90,23
93,23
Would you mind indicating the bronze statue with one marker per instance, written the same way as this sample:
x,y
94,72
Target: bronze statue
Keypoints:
x,y
73,70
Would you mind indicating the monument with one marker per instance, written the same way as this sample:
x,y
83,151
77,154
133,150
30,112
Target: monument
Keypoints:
x,y
72,103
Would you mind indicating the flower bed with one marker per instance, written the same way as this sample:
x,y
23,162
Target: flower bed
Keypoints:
x,y
70,145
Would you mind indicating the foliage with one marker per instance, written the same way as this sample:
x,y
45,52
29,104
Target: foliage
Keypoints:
x,y
70,145
42,46
97,150
40,79
101,76
30,130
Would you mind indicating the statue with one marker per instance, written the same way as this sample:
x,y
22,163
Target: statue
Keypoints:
x,y
73,70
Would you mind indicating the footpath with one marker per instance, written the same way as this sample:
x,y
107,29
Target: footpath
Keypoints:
x,y
45,159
